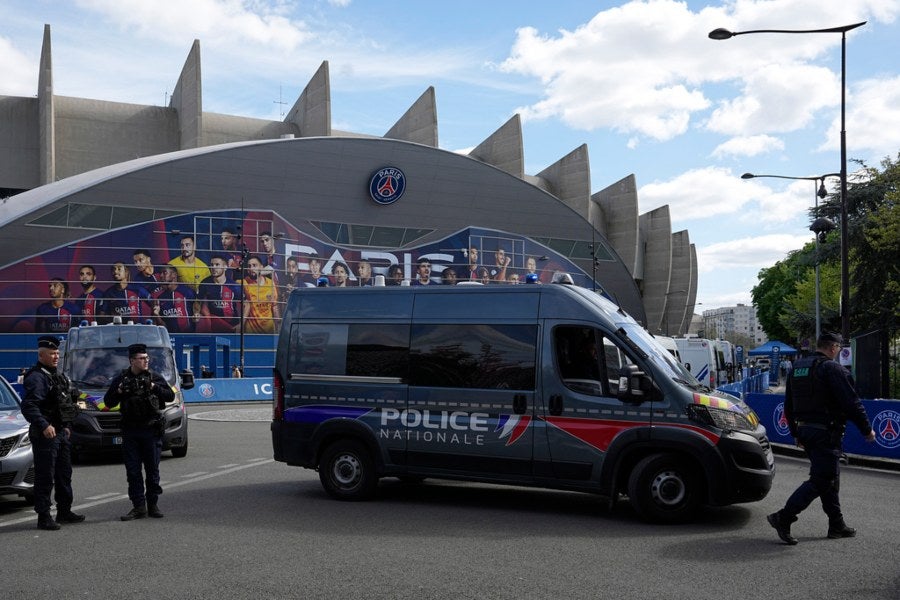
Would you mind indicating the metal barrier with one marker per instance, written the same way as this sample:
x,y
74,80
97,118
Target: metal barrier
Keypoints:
x,y
752,384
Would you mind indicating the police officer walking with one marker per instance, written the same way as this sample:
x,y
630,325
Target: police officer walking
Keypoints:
x,y
49,406
819,400
141,395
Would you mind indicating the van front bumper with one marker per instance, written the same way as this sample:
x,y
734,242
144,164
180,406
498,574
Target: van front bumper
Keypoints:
x,y
750,465
101,431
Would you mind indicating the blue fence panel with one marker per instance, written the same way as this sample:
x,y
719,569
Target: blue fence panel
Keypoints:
x,y
883,414
230,390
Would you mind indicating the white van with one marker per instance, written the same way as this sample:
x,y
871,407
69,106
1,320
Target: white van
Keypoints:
x,y
698,356
543,385
725,359
669,344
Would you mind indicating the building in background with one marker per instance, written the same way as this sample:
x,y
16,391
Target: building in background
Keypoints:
x,y
736,324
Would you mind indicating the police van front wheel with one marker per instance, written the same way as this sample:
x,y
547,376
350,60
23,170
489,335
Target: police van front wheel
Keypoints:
x,y
664,489
347,471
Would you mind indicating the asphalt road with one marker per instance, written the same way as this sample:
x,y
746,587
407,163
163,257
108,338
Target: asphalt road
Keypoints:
x,y
239,525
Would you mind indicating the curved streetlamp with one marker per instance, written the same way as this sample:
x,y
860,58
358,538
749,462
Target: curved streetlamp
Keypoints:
x,y
724,34
821,226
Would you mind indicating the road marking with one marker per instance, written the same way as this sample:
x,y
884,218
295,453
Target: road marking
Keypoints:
x,y
197,474
101,496
113,497
227,466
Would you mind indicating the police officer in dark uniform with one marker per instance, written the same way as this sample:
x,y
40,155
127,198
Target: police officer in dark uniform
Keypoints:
x,y
141,395
819,400
49,406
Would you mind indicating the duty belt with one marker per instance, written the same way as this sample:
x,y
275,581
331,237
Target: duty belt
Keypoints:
x,y
812,425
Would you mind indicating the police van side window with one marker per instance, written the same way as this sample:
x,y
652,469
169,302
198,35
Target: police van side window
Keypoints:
x,y
473,356
578,360
355,350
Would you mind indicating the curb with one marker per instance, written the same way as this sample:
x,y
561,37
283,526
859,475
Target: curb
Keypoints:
x,y
859,460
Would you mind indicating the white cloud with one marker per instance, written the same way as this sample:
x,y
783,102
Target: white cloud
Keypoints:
x,y
873,119
232,23
748,146
748,252
638,68
631,68
776,97
19,72
697,194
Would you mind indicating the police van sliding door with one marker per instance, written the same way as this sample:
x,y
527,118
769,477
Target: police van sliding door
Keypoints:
x,y
472,384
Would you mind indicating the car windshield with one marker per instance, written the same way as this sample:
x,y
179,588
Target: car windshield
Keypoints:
x,y
659,355
8,400
97,366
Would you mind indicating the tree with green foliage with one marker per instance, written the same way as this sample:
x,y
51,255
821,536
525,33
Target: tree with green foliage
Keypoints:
x,y
875,250
785,295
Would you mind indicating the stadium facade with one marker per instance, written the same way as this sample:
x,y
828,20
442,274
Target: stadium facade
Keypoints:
x,y
340,196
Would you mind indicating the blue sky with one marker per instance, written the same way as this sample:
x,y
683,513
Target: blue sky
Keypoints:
x,y
639,82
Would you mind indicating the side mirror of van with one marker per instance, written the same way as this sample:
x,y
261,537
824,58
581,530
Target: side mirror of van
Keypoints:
x,y
187,379
635,386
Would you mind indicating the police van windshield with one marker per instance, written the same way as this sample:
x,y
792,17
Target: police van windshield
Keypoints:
x,y
95,367
659,355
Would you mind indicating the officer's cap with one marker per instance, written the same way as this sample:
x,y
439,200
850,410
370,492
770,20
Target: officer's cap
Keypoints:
x,y
136,349
829,337
48,341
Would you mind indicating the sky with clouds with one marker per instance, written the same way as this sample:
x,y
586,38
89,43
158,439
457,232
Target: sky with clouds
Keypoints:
x,y
639,82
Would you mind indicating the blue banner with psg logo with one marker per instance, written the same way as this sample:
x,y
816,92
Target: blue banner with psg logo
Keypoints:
x,y
883,414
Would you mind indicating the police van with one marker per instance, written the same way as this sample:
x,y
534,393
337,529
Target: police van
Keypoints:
x,y
541,385
92,355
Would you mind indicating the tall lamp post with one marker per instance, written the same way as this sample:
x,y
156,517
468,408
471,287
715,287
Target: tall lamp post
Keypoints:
x,y
724,34
820,226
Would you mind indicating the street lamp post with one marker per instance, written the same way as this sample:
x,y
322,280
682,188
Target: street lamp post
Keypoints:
x,y
820,225
724,34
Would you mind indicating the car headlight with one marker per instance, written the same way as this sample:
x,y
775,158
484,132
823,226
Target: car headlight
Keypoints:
x,y
720,418
24,440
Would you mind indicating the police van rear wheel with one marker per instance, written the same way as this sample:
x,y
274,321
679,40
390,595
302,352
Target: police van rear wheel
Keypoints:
x,y
664,489
347,471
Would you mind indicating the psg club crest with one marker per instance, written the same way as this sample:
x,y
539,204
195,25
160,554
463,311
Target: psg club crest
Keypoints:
x,y
387,185
780,421
886,425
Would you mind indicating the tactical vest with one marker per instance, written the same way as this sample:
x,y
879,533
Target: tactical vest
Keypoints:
x,y
140,405
59,405
811,401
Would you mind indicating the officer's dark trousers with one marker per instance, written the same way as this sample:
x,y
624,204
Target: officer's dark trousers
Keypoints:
x,y
52,469
824,451
141,447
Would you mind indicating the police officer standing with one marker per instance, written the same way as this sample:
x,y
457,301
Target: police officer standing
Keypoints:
x,y
141,395
819,400
49,406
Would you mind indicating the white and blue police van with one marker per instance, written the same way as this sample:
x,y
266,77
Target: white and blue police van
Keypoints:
x,y
91,355
537,385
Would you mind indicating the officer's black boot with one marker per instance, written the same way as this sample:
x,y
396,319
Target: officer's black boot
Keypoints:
x,y
838,529
46,522
138,512
67,516
782,525
153,511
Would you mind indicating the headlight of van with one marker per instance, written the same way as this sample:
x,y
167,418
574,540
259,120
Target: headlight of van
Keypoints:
x,y
719,418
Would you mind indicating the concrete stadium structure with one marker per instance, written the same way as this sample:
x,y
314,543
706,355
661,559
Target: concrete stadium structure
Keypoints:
x,y
61,161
